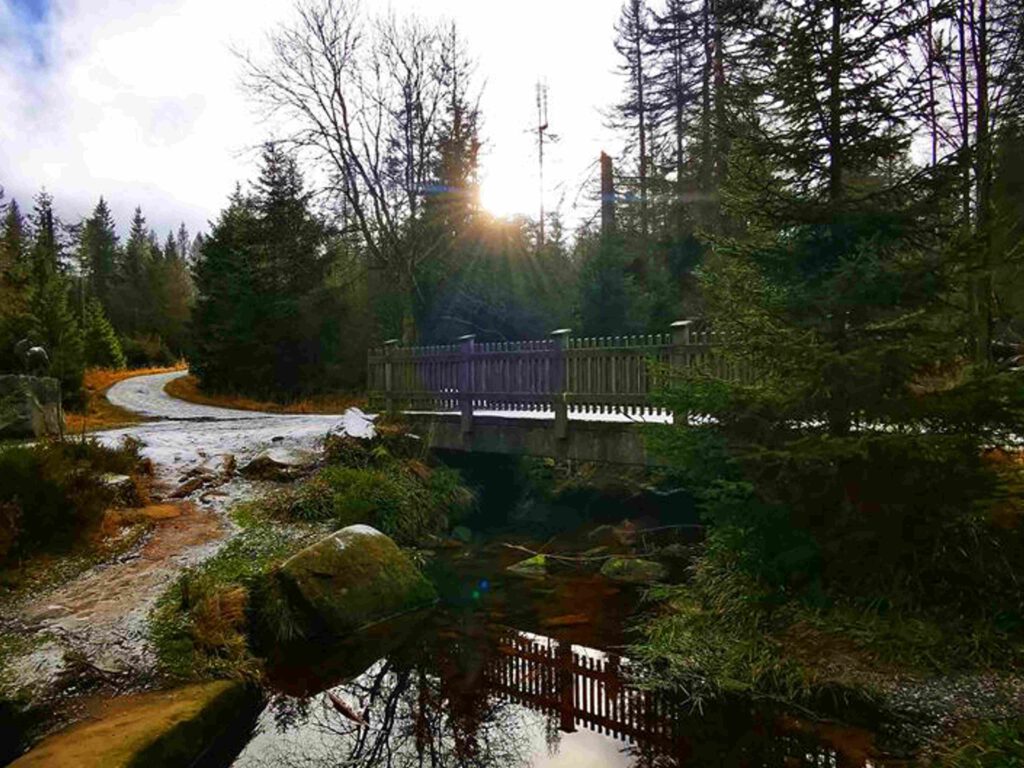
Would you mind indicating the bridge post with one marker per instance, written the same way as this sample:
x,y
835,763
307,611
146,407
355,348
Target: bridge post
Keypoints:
x,y
389,376
466,345
679,356
559,381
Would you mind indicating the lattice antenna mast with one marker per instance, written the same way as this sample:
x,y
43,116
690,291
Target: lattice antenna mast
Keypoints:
x,y
542,127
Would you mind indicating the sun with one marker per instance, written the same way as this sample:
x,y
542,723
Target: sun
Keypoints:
x,y
508,194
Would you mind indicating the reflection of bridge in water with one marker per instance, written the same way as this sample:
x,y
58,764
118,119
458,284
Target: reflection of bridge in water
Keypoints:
x,y
589,688
583,686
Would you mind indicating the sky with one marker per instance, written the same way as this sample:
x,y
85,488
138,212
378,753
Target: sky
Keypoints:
x,y
139,101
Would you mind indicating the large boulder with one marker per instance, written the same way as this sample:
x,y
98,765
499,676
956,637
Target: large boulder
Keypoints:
x,y
355,577
30,407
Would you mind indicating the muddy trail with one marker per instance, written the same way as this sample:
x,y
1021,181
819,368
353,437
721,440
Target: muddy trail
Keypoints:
x,y
195,450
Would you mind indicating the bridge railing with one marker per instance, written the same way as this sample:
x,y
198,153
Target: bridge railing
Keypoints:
x,y
563,375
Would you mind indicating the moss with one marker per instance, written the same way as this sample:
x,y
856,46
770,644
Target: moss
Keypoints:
x,y
166,728
353,578
633,570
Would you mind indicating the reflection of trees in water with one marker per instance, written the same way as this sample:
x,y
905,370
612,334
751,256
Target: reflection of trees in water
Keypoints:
x,y
485,698
416,718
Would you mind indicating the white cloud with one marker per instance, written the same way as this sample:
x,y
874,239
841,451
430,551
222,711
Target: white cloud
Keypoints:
x,y
140,102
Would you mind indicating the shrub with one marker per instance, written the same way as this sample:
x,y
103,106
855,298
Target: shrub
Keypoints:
x,y
143,351
57,491
381,483
406,500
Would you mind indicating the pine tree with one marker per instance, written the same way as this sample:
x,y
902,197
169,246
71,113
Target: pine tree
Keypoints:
x,y
101,345
98,253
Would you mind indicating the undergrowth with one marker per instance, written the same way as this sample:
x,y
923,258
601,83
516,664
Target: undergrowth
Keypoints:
x,y
725,633
381,484
220,616
987,744
52,495
200,627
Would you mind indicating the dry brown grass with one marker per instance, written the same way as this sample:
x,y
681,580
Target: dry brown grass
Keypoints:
x,y
219,618
116,519
99,412
187,388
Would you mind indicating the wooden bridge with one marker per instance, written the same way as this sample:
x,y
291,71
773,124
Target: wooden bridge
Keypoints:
x,y
564,397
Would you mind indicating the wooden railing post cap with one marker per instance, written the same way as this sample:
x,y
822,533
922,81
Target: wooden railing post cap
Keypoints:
x,y
681,331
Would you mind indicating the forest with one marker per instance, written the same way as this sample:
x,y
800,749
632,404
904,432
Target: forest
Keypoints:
x,y
833,188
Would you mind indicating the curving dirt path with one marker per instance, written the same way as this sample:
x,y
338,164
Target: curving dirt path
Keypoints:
x,y
194,449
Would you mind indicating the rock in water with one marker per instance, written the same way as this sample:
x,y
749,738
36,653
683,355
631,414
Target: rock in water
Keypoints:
x,y
30,407
352,578
280,464
633,570
535,567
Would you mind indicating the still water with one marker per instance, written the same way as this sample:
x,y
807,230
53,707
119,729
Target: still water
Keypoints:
x,y
513,672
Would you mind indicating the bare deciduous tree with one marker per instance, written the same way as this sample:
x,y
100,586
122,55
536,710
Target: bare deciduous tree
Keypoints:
x,y
366,100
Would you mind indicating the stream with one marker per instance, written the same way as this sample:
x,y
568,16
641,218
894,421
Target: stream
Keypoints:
x,y
511,671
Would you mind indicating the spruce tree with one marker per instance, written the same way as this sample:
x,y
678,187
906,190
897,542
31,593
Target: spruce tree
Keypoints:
x,y
101,345
290,270
633,114
132,309
57,329
846,447
47,251
227,351
98,253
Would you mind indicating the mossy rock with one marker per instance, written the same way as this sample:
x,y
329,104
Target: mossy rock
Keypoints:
x,y
354,577
151,730
633,570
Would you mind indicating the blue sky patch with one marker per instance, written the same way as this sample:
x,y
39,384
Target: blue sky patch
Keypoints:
x,y
33,11
28,31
